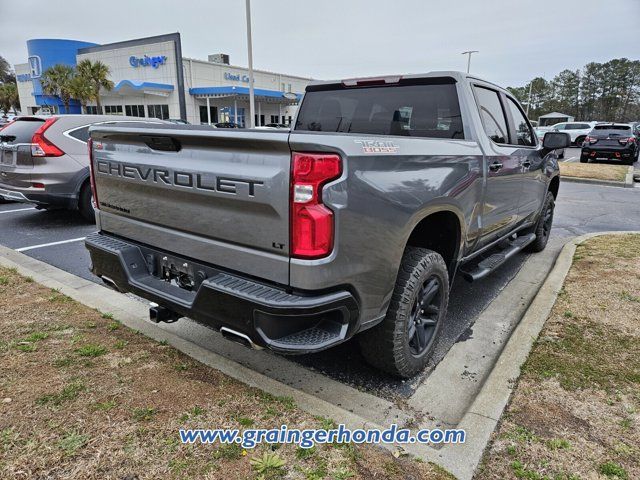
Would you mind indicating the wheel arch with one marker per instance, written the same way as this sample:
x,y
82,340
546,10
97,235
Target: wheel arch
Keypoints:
x,y
439,230
554,186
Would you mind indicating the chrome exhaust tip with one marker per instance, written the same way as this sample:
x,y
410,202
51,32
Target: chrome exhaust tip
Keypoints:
x,y
238,337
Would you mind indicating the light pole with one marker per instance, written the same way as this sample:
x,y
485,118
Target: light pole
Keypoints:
x,y
529,101
252,106
469,53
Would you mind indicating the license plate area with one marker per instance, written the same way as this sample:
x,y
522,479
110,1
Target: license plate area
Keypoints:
x,y
8,157
178,272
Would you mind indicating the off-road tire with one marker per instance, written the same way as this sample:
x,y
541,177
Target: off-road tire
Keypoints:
x,y
542,228
84,203
387,345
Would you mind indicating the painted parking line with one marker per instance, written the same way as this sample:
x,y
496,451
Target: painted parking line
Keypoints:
x,y
571,159
33,247
17,210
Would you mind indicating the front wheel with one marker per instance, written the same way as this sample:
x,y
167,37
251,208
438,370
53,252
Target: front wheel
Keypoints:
x,y
542,228
579,141
402,343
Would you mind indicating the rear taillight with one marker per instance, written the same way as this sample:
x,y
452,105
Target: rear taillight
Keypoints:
x,y
92,174
40,145
312,224
590,140
624,141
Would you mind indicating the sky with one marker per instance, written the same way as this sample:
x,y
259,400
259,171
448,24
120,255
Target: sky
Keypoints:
x,y
327,39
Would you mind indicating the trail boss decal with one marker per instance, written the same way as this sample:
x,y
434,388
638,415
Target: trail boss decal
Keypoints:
x,y
378,146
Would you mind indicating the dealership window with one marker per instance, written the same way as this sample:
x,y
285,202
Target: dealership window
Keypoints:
x,y
113,109
91,110
282,87
158,111
274,119
289,88
213,113
134,110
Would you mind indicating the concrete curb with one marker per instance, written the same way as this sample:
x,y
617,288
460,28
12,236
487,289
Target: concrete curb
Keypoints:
x,y
484,414
628,180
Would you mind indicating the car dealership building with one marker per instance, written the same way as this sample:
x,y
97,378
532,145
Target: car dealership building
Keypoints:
x,y
152,79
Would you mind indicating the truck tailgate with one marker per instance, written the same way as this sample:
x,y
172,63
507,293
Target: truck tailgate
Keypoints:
x,y
217,196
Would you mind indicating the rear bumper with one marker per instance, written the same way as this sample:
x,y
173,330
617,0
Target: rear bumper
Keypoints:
x,y
268,314
41,198
610,153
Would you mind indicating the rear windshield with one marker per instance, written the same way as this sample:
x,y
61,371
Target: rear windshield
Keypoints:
x,y
21,130
611,130
430,110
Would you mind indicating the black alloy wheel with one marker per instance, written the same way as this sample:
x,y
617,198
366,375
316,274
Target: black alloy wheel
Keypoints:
x,y
424,316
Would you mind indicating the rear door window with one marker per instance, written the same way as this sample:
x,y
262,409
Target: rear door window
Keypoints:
x,y
493,118
21,130
411,110
81,134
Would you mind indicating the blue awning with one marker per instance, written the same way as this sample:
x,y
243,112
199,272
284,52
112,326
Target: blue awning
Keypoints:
x,y
164,87
233,90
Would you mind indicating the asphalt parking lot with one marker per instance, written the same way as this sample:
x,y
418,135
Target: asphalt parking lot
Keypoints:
x,y
56,238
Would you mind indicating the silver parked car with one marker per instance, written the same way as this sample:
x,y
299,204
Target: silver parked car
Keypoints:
x,y
44,160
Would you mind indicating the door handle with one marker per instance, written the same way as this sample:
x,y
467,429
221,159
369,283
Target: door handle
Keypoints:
x,y
495,166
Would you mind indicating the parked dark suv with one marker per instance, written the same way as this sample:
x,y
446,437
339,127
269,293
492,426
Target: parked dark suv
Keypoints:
x,y
611,141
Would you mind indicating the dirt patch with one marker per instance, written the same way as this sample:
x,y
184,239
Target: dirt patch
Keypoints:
x,y
594,171
82,396
575,413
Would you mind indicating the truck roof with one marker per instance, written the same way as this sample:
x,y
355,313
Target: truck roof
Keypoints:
x,y
456,75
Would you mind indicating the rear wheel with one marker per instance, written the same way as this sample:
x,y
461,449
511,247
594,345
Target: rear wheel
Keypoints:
x,y
542,228
580,141
402,343
84,203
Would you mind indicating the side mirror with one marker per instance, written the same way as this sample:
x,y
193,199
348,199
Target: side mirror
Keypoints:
x,y
556,140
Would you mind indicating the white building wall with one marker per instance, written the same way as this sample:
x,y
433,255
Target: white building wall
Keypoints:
x,y
121,69
199,73
25,89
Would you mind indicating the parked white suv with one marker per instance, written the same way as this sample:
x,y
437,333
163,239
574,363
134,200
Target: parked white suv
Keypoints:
x,y
577,130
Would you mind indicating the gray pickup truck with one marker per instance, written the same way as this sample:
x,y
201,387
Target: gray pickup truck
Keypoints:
x,y
354,222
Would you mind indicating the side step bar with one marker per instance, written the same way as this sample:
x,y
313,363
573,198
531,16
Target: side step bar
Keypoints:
x,y
488,264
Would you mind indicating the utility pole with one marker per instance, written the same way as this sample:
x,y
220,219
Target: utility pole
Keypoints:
x,y
252,107
469,53
529,101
